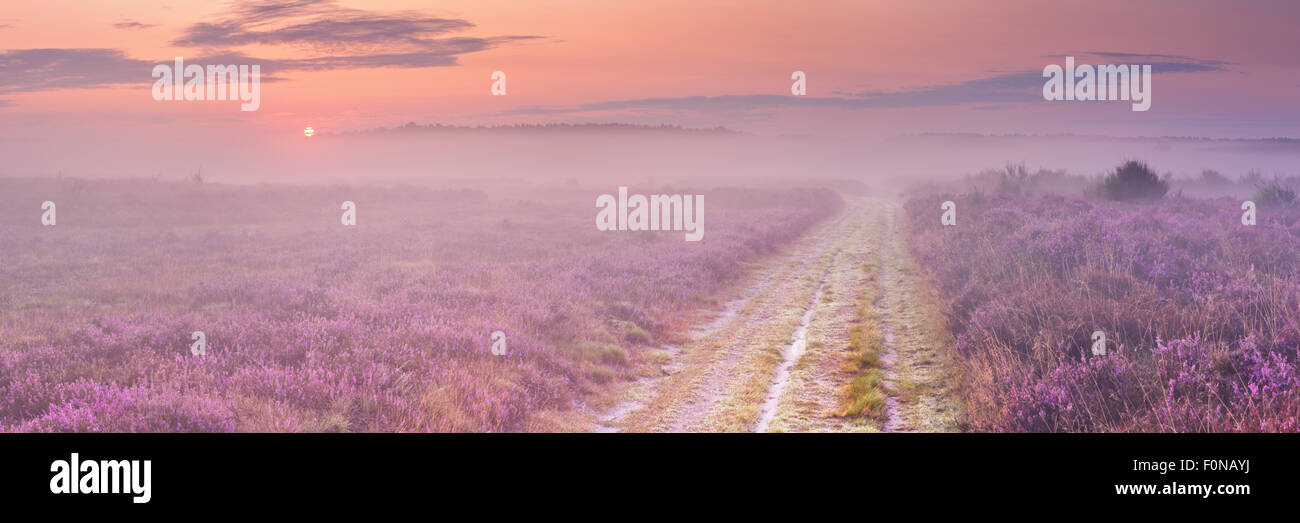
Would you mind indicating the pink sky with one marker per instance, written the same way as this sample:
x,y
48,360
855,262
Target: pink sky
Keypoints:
x,y
620,53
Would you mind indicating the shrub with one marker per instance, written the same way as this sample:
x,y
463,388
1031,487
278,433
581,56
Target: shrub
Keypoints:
x,y
1274,193
1013,180
1213,177
1133,180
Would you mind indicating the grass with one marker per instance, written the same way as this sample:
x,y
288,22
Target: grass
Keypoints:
x,y
315,327
864,396
1199,313
811,401
909,391
597,352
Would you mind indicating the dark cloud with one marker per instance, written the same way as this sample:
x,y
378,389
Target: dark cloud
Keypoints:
x,y
272,68
25,70
1003,88
254,11
42,69
345,38
1169,63
355,31
323,26
1017,87
132,24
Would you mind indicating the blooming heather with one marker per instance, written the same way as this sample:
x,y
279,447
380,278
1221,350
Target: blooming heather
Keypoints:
x,y
313,326
1201,313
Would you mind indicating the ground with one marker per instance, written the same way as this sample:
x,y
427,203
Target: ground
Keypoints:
x,y
777,355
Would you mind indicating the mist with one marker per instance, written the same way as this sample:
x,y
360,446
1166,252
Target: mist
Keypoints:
x,y
613,154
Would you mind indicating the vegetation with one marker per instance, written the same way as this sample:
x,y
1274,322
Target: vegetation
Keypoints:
x,y
1275,193
1199,312
313,326
1133,180
865,394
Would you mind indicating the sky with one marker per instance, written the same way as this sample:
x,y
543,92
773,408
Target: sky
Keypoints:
x,y
78,72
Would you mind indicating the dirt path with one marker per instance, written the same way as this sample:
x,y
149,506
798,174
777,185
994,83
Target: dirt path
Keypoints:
x,y
918,397
773,358
791,355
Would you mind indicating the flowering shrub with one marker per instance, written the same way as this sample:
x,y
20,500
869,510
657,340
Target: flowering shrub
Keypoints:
x,y
1201,313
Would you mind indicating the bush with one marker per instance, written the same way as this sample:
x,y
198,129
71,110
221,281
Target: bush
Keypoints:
x,y
1274,193
1013,180
1133,181
1213,177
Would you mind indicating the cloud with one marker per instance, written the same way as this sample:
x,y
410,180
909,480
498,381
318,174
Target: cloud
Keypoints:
x,y
42,69
1004,88
1007,88
28,70
1167,63
354,31
343,39
323,26
132,24
263,10
271,68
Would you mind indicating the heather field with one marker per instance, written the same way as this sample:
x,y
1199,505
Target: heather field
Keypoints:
x,y
313,326
1201,314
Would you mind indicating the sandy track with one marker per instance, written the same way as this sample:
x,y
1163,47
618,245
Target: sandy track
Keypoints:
x,y
919,398
772,359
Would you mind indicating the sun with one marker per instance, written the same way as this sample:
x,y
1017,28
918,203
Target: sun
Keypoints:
x,y
308,132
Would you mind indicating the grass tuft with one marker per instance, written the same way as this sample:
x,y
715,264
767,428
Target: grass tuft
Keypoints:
x,y
864,396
